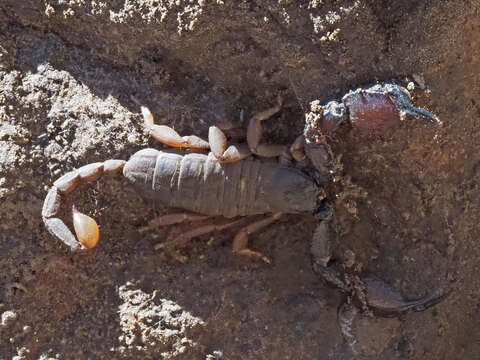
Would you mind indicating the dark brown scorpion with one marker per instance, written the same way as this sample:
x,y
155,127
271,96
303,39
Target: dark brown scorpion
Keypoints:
x,y
230,183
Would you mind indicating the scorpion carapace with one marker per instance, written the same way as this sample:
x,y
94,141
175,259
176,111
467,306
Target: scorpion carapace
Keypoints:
x,y
229,183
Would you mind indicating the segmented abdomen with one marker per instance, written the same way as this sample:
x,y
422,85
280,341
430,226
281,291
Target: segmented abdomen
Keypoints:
x,y
199,183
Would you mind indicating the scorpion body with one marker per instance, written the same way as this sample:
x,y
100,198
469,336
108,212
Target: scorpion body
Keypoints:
x,y
201,184
230,183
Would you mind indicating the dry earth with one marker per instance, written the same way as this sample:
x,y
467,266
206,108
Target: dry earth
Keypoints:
x,y
72,76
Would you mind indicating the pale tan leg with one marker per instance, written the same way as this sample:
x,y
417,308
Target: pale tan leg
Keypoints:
x,y
174,218
218,146
166,135
236,152
254,134
240,241
187,236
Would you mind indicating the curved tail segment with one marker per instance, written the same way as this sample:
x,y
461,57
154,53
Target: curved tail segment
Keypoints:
x,y
86,228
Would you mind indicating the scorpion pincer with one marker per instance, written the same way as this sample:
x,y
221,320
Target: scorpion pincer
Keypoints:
x,y
241,180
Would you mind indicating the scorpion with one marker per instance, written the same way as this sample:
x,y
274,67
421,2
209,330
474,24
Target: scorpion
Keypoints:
x,y
243,180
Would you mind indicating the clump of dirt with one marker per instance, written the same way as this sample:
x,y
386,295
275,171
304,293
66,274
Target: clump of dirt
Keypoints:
x,y
73,75
154,326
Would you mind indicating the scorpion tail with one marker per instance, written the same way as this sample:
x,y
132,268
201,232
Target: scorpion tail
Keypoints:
x,y
86,228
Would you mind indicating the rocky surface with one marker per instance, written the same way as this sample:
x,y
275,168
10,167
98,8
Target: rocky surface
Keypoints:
x,y
72,76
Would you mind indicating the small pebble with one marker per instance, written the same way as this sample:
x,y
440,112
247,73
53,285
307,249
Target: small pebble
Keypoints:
x,y
27,329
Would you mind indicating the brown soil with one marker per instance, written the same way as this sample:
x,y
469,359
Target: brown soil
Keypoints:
x,y
72,76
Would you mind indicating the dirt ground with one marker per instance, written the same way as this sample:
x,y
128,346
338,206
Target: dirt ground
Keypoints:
x,y
72,76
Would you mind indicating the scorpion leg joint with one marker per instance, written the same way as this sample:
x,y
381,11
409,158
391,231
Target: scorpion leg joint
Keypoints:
x,y
240,241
